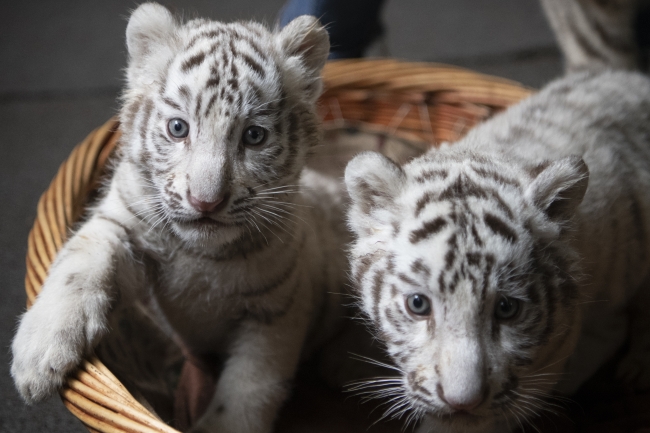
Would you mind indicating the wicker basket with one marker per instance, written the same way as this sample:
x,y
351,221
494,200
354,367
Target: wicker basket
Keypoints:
x,y
420,102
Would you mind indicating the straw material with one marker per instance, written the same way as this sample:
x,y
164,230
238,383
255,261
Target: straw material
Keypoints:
x,y
421,102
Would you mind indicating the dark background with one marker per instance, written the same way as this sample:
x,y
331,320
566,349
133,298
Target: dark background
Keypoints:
x,y
61,71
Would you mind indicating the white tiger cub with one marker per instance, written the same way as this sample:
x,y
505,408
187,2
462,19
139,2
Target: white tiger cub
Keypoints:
x,y
203,211
512,264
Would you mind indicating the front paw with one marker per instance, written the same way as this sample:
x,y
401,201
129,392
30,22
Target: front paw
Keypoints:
x,y
47,347
634,369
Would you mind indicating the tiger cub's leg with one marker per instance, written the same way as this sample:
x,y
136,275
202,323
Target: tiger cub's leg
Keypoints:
x,y
595,32
255,379
71,314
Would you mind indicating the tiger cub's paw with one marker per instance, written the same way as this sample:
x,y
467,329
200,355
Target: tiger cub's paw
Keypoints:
x,y
49,344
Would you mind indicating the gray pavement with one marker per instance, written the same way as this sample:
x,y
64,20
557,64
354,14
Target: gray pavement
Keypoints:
x,y
60,73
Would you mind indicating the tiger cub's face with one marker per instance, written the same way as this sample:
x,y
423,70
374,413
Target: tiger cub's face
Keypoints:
x,y
462,269
218,118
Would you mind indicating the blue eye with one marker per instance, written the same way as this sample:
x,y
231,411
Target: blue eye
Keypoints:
x,y
506,308
418,305
178,128
254,136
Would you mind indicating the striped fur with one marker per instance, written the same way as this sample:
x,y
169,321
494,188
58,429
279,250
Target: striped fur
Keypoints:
x,y
244,282
501,213
596,33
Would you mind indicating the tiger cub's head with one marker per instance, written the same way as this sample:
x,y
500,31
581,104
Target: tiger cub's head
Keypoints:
x,y
462,267
218,119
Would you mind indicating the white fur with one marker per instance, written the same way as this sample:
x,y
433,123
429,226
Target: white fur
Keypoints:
x,y
502,213
249,281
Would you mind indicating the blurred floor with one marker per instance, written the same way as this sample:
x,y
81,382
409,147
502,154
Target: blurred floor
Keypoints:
x,y
60,74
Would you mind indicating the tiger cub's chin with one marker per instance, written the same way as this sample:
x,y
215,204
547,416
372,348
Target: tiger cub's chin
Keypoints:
x,y
461,422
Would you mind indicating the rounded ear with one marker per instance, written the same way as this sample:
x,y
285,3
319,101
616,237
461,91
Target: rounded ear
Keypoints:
x,y
560,187
306,43
150,25
150,37
373,182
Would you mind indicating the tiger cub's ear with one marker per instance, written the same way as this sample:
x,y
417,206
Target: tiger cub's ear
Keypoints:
x,y
560,187
306,44
150,36
373,182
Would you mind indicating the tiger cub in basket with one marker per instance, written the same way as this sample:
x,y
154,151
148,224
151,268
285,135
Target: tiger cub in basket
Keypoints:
x,y
206,211
508,267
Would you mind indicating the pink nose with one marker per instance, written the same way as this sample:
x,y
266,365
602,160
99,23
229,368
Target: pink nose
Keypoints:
x,y
205,206
465,403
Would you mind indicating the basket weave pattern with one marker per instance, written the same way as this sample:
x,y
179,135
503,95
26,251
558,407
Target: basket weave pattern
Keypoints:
x,y
420,102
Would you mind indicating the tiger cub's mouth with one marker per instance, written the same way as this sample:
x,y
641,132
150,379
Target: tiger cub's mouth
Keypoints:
x,y
206,220
454,417
203,222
